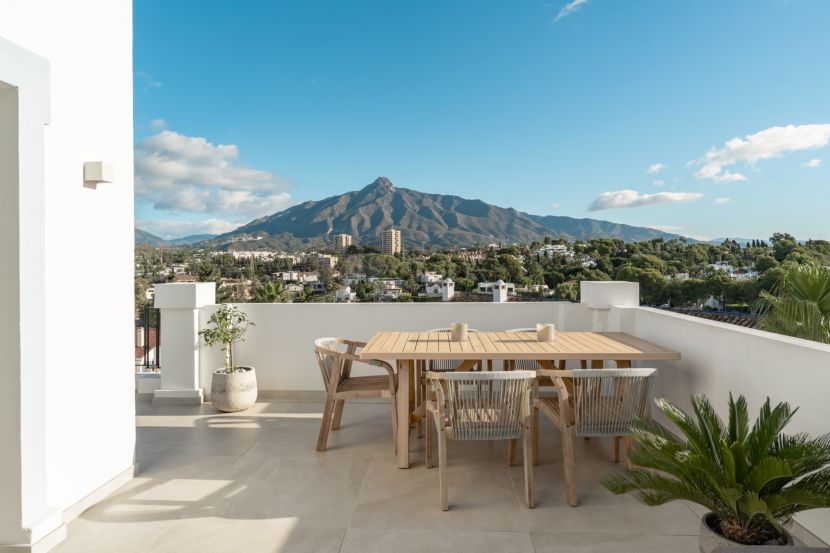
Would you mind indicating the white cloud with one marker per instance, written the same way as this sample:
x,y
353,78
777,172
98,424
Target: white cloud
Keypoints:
x,y
158,124
147,81
631,198
570,8
172,228
668,228
766,144
655,168
722,200
658,182
812,164
556,206
182,173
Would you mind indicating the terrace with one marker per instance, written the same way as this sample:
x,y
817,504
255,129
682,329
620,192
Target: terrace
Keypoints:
x,y
255,478
95,459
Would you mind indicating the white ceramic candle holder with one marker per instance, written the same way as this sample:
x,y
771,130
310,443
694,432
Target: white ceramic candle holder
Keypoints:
x,y
545,332
458,332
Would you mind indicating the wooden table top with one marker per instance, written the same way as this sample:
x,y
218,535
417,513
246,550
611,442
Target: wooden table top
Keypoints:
x,y
390,346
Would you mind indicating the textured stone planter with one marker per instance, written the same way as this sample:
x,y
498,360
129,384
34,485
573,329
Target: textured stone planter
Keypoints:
x,y
235,391
711,540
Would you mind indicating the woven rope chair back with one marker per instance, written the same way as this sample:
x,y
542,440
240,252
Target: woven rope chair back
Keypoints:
x,y
486,406
606,402
444,365
524,364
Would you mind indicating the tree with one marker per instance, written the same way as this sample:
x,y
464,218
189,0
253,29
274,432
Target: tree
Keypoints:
x,y
271,292
799,305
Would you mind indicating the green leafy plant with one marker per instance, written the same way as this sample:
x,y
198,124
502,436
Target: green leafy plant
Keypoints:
x,y
799,305
229,326
753,480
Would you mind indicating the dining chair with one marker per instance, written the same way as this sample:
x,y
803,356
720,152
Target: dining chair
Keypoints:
x,y
542,382
595,403
336,357
481,406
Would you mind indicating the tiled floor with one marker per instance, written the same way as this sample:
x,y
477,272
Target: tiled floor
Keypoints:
x,y
252,482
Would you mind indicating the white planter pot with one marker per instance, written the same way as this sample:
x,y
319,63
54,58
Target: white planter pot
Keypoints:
x,y
711,540
231,392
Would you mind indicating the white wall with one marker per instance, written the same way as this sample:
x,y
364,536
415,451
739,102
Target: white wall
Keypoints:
x,y
719,358
87,241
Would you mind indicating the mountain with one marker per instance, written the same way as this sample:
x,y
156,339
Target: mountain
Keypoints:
x,y
425,220
741,241
187,240
144,237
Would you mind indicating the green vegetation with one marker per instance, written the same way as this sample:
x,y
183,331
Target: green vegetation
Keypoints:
x,y
754,481
229,326
799,304
671,273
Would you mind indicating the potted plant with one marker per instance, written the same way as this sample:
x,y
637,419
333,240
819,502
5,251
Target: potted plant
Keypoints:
x,y
751,480
232,388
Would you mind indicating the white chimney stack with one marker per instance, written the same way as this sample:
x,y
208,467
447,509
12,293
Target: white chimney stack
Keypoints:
x,y
499,291
447,289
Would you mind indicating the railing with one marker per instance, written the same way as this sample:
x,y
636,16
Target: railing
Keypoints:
x,y
147,340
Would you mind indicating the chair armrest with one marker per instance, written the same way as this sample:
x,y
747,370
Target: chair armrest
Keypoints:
x,y
373,362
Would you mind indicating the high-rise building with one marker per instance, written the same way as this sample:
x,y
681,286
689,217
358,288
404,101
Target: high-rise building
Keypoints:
x,y
342,243
390,241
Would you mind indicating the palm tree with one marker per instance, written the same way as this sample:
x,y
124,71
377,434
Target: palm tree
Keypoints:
x,y
800,304
754,481
271,292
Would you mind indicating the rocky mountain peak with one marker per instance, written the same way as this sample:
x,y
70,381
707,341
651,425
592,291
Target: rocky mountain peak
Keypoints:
x,y
381,184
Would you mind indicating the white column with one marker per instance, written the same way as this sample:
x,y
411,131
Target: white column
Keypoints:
x,y
179,344
601,296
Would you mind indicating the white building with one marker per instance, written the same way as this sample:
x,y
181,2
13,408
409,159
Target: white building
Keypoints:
x,y
488,287
67,424
548,250
345,295
342,243
428,277
390,241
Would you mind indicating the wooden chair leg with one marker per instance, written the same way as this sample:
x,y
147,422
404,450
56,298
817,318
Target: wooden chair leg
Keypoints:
x,y
442,469
325,424
511,453
527,443
568,458
615,455
338,414
395,423
535,435
428,446
627,451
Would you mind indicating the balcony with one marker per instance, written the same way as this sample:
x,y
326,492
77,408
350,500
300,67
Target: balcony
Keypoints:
x,y
254,478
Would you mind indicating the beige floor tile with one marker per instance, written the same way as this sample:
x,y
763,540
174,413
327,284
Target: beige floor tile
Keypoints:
x,y
600,542
365,540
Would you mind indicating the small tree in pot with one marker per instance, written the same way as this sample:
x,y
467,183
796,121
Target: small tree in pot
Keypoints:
x,y
752,480
232,388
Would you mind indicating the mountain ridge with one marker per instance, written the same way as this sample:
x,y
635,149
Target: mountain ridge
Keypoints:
x,y
425,220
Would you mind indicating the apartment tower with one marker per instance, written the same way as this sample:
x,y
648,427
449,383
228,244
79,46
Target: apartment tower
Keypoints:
x,y
391,241
342,243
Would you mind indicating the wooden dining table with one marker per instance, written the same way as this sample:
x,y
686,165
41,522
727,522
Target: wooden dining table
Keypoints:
x,y
403,349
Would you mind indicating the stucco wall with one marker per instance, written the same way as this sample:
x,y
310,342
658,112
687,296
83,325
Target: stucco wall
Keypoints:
x,y
87,245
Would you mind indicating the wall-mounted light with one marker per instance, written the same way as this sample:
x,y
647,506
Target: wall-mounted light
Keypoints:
x,y
96,172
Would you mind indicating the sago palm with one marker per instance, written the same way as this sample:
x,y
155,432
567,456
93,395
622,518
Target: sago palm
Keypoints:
x,y
753,480
800,304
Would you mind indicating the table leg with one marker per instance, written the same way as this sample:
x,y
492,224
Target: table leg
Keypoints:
x,y
404,414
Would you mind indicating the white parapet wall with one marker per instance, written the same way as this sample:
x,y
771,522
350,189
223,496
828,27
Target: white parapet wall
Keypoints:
x,y
719,359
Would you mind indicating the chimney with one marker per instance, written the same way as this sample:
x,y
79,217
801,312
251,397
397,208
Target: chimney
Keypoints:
x,y
499,292
447,289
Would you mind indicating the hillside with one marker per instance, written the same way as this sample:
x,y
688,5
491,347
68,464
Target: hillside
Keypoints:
x,y
425,220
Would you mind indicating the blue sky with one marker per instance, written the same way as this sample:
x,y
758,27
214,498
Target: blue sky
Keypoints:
x,y
706,118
